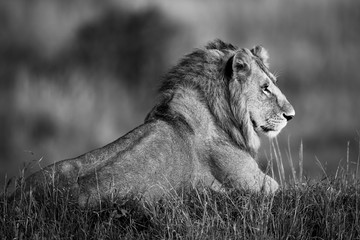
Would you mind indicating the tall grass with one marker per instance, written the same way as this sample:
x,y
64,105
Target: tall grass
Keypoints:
x,y
302,209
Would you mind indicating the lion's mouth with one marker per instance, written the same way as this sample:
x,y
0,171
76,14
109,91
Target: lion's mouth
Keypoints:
x,y
256,127
266,129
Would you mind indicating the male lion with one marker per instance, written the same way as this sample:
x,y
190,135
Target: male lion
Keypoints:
x,y
204,129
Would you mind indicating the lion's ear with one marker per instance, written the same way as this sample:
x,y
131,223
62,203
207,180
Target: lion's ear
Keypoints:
x,y
262,53
238,65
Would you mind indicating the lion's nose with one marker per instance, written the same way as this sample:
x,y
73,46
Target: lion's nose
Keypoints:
x,y
289,113
288,117
288,110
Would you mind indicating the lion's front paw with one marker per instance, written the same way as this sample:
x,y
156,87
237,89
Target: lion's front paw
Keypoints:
x,y
270,185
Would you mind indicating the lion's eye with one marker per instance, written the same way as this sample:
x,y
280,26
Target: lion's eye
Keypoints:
x,y
266,90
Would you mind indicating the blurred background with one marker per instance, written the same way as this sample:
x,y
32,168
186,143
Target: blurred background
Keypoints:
x,y
77,74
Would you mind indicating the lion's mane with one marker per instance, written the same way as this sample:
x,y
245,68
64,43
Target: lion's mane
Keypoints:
x,y
207,72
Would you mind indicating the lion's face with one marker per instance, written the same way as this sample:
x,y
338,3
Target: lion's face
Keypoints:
x,y
268,109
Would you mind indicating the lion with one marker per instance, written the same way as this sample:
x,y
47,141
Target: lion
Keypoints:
x,y
204,129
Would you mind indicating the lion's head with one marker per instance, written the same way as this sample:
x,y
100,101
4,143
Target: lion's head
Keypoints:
x,y
238,88
255,99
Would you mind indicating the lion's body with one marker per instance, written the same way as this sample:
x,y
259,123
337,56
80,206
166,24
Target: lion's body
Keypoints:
x,y
204,129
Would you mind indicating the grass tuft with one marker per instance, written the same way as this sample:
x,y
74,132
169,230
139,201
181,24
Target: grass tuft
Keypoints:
x,y
302,209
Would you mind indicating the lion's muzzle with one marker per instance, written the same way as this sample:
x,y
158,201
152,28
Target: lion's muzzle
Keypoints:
x,y
288,111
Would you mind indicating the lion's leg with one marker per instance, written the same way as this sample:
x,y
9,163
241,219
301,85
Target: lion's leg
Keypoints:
x,y
266,183
217,186
238,169
251,178
60,176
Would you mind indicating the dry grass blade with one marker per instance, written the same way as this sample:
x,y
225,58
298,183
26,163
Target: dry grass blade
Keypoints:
x,y
279,161
301,160
293,171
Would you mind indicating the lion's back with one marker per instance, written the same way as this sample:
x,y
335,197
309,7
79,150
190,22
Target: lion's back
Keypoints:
x,y
147,160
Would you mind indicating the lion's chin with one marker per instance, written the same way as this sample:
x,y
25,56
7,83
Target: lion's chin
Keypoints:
x,y
272,133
